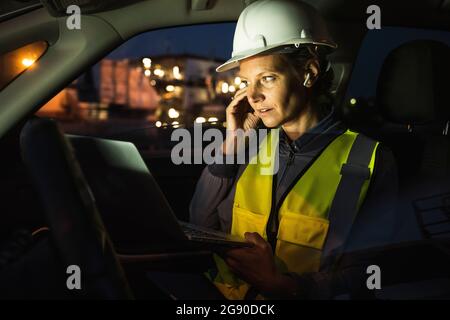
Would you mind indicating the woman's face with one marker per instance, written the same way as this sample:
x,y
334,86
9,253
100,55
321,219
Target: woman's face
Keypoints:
x,y
276,95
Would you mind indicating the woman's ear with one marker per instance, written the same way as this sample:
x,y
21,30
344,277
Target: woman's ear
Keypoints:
x,y
311,73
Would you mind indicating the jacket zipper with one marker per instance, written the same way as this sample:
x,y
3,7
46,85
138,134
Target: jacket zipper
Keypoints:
x,y
273,217
289,162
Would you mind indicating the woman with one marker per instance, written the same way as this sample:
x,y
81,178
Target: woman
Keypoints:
x,y
301,218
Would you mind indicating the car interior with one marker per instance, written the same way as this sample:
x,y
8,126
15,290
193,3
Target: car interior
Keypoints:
x,y
50,218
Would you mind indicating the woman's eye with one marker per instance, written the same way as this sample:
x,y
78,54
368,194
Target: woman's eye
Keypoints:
x,y
268,79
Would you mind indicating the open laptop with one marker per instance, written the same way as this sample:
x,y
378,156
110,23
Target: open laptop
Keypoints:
x,y
133,207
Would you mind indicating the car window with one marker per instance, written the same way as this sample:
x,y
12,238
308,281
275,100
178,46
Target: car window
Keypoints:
x,y
374,49
153,83
13,63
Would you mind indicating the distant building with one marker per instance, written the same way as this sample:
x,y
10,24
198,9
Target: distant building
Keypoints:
x,y
189,87
166,90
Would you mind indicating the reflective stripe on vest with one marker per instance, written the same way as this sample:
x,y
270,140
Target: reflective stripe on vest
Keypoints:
x,y
303,215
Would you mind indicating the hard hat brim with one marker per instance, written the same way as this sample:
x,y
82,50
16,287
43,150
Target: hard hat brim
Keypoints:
x,y
234,61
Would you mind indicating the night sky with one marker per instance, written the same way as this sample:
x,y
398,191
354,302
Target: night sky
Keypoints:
x,y
212,40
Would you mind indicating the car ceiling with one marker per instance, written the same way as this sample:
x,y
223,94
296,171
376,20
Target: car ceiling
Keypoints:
x,y
347,19
338,10
351,10
11,8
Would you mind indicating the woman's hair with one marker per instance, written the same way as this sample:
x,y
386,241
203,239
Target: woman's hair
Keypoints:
x,y
322,98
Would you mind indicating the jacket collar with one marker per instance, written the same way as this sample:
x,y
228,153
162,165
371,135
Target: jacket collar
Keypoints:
x,y
329,126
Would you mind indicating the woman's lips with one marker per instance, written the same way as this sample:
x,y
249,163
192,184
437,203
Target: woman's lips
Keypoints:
x,y
264,111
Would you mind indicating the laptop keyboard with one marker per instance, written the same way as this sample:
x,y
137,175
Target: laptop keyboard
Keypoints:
x,y
201,234
192,231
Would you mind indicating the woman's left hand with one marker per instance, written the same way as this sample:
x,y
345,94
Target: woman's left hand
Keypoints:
x,y
256,265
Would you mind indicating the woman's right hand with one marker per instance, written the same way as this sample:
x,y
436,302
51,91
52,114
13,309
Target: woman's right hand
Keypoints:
x,y
239,116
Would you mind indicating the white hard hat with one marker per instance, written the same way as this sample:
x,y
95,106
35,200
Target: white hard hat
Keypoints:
x,y
268,24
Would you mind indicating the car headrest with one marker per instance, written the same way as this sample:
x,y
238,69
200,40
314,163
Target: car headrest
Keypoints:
x,y
413,83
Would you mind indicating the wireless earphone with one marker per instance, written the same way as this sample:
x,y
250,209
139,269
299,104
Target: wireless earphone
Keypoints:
x,y
306,79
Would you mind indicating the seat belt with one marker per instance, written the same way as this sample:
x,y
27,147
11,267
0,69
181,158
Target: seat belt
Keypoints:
x,y
344,209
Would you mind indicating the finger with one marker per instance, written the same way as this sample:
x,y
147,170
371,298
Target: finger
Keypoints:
x,y
253,237
251,121
239,94
235,102
236,267
236,253
257,240
241,91
231,252
253,117
233,264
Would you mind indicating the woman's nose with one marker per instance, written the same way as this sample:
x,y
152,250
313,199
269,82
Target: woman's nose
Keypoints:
x,y
254,94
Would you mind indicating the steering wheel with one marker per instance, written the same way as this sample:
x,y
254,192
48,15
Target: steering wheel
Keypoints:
x,y
72,216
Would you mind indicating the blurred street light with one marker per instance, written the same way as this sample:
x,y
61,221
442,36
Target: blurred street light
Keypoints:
x,y
147,63
159,72
176,73
224,87
200,120
173,113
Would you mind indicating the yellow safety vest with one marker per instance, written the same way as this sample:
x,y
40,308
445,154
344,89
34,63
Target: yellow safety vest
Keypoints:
x,y
303,215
